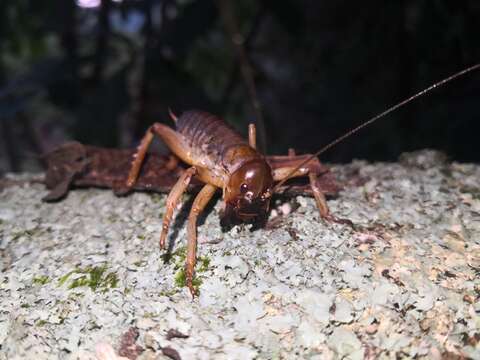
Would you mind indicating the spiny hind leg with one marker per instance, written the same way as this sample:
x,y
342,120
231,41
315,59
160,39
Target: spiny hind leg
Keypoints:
x,y
172,200
199,204
138,158
171,138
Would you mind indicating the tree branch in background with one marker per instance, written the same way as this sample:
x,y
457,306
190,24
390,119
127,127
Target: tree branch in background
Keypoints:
x,y
235,72
102,41
225,7
67,32
147,50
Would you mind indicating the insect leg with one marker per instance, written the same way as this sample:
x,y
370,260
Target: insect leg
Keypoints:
x,y
318,195
175,141
172,199
199,204
172,139
280,173
138,158
252,135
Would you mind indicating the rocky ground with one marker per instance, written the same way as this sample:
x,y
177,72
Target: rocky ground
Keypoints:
x,y
84,278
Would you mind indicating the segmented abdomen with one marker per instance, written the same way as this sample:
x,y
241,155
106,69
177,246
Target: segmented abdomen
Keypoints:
x,y
210,137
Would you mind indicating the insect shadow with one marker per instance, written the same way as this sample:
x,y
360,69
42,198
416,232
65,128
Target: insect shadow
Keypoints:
x,y
226,223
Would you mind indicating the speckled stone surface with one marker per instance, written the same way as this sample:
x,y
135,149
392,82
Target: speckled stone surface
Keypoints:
x,y
403,282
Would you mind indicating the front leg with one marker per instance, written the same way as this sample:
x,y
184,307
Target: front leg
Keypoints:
x,y
199,204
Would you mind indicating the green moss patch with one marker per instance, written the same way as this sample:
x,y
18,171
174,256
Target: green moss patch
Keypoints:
x,y
95,277
181,280
179,256
41,280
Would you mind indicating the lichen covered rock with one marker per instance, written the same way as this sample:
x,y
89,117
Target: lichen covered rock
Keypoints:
x,y
403,281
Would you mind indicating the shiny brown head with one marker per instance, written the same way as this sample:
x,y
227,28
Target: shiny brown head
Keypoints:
x,y
248,192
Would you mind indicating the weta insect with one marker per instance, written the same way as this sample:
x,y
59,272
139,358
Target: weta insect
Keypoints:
x,y
221,158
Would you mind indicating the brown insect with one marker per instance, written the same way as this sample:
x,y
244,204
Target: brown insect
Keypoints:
x,y
222,159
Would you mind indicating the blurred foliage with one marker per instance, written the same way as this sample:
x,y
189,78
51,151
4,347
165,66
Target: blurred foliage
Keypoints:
x,y
102,75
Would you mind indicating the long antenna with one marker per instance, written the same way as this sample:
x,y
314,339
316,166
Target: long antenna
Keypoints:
x,y
375,118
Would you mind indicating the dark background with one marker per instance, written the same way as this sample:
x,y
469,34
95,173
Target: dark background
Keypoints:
x,y
101,71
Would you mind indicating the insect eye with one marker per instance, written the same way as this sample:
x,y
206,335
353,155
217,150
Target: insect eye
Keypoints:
x,y
243,188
